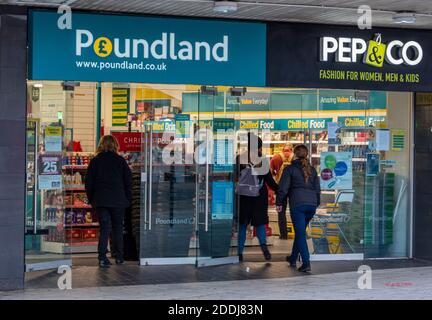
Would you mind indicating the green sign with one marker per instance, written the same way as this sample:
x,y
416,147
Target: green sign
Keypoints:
x,y
120,106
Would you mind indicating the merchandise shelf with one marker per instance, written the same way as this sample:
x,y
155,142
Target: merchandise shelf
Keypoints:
x,y
75,167
78,207
76,225
75,189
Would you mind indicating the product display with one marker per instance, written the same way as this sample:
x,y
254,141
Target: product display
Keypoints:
x,y
67,212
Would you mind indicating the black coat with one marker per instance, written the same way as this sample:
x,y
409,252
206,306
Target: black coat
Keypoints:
x,y
299,192
254,210
108,181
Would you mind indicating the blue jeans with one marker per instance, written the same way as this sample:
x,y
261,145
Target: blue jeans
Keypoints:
x,y
300,217
260,232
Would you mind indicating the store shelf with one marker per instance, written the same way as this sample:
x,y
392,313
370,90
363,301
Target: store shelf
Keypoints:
x,y
75,189
288,141
77,225
83,244
354,143
50,224
75,167
78,207
66,248
359,159
86,247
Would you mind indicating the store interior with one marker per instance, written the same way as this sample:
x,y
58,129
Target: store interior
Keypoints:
x,y
368,214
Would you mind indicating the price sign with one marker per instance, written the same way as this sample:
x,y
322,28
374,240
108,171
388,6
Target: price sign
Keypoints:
x,y
50,165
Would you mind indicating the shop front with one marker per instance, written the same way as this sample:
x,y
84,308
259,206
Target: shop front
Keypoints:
x,y
181,95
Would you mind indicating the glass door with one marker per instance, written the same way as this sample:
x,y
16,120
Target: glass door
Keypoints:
x,y
214,140
45,235
168,183
186,199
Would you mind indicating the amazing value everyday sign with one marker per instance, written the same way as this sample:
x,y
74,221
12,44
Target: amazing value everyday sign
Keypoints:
x,y
349,58
119,48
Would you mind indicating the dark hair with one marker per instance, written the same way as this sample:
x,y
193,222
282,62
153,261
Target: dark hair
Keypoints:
x,y
251,136
301,153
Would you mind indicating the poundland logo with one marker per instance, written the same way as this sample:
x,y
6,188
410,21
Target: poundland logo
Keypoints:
x,y
164,48
373,52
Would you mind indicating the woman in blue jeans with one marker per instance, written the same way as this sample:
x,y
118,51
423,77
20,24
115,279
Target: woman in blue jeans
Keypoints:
x,y
254,210
300,184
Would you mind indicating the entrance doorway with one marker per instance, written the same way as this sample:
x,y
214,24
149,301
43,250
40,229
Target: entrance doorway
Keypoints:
x,y
181,141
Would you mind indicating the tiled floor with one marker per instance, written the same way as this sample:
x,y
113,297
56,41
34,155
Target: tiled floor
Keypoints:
x,y
86,274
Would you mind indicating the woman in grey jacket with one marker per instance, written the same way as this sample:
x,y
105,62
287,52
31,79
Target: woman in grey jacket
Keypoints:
x,y
300,183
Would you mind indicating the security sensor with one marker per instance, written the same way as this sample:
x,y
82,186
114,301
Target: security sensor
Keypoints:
x,y
237,92
70,85
225,6
209,91
404,17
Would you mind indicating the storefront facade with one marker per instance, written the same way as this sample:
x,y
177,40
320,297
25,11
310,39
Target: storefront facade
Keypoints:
x,y
181,94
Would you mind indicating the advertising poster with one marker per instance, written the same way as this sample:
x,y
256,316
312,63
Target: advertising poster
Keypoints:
x,y
333,133
223,144
383,140
222,200
128,141
50,182
53,139
182,125
223,155
372,164
336,170
50,177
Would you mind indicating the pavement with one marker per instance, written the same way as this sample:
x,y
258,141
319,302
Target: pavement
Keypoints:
x,y
413,283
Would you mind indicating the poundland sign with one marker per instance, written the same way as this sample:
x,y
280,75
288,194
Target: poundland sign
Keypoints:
x,y
146,49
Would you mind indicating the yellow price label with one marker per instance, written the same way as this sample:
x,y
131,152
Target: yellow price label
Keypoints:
x,y
53,131
120,99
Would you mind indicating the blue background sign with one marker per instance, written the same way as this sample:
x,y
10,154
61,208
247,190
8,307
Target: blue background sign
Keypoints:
x,y
120,48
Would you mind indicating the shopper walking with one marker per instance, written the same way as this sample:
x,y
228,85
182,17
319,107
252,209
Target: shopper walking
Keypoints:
x,y
109,190
300,183
277,165
253,196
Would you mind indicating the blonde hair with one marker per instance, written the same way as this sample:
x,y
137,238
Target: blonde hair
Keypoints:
x,y
108,143
288,145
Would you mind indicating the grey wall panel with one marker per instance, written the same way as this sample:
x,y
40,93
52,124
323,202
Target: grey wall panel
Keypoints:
x,y
423,176
13,66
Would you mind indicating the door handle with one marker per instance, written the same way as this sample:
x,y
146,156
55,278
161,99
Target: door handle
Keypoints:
x,y
150,178
36,179
207,186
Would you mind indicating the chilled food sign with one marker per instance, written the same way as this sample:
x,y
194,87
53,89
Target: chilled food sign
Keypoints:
x,y
285,124
361,122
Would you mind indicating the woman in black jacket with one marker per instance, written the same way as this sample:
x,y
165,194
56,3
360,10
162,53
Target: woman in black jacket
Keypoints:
x,y
108,186
300,183
254,210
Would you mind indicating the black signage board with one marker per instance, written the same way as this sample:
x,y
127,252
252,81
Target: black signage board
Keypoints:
x,y
339,57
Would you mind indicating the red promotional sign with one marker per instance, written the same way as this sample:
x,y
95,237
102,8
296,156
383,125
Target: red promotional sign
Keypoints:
x,y
128,141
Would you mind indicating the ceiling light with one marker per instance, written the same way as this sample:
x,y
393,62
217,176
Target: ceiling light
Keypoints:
x,y
38,85
225,6
404,17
